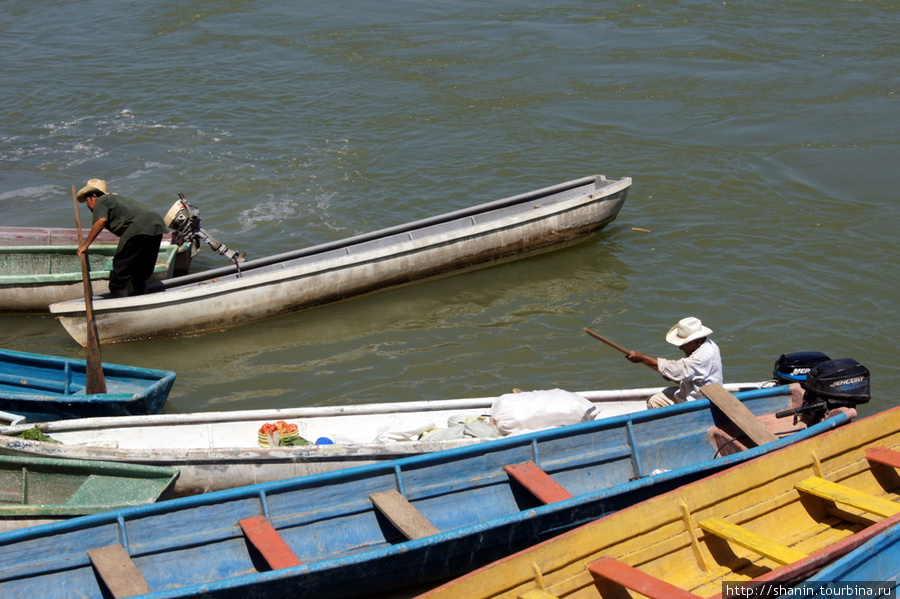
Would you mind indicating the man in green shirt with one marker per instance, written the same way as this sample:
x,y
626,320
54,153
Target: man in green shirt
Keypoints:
x,y
139,229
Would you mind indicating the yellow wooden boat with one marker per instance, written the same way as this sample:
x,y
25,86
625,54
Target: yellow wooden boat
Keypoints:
x,y
776,518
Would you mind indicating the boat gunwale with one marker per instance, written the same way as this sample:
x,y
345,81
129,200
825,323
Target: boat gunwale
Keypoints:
x,y
80,366
105,467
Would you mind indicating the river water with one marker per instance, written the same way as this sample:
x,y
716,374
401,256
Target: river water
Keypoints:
x,y
762,138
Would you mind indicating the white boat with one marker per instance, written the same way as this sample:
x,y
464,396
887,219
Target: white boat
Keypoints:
x,y
479,236
220,450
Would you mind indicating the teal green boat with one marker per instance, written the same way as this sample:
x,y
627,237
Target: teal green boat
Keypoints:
x,y
41,490
38,266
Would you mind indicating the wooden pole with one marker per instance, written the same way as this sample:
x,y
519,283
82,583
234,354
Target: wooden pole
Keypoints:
x,y
608,342
613,345
95,381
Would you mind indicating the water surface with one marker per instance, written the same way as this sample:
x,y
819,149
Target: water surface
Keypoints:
x,y
762,139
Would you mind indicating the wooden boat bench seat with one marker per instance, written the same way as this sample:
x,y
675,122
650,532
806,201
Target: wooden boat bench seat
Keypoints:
x,y
849,496
536,594
884,456
263,536
750,540
538,482
117,571
609,568
22,384
403,515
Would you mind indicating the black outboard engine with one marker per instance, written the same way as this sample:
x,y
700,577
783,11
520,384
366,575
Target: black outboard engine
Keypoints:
x,y
184,218
832,384
793,368
843,382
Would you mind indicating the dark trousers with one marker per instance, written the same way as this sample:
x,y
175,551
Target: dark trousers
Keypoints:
x,y
134,263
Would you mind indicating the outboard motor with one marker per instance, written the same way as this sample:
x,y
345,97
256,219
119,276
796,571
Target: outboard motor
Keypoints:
x,y
832,384
843,382
793,368
184,218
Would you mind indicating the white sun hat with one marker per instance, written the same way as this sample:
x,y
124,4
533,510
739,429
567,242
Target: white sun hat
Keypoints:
x,y
687,330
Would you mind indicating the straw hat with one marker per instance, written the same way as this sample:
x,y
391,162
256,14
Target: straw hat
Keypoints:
x,y
93,186
687,330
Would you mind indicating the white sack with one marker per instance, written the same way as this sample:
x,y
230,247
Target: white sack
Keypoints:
x,y
516,413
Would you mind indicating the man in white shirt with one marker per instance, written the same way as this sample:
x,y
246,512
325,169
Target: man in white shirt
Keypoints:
x,y
701,365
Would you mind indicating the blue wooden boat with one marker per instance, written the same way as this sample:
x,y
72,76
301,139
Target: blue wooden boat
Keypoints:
x,y
384,526
41,387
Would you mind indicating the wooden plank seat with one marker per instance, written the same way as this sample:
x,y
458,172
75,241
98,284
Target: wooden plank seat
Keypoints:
x,y
273,548
538,482
403,515
883,455
750,540
738,413
22,383
849,496
118,571
536,594
611,569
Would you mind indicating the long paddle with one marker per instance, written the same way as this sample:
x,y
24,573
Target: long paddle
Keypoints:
x,y
95,381
613,345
